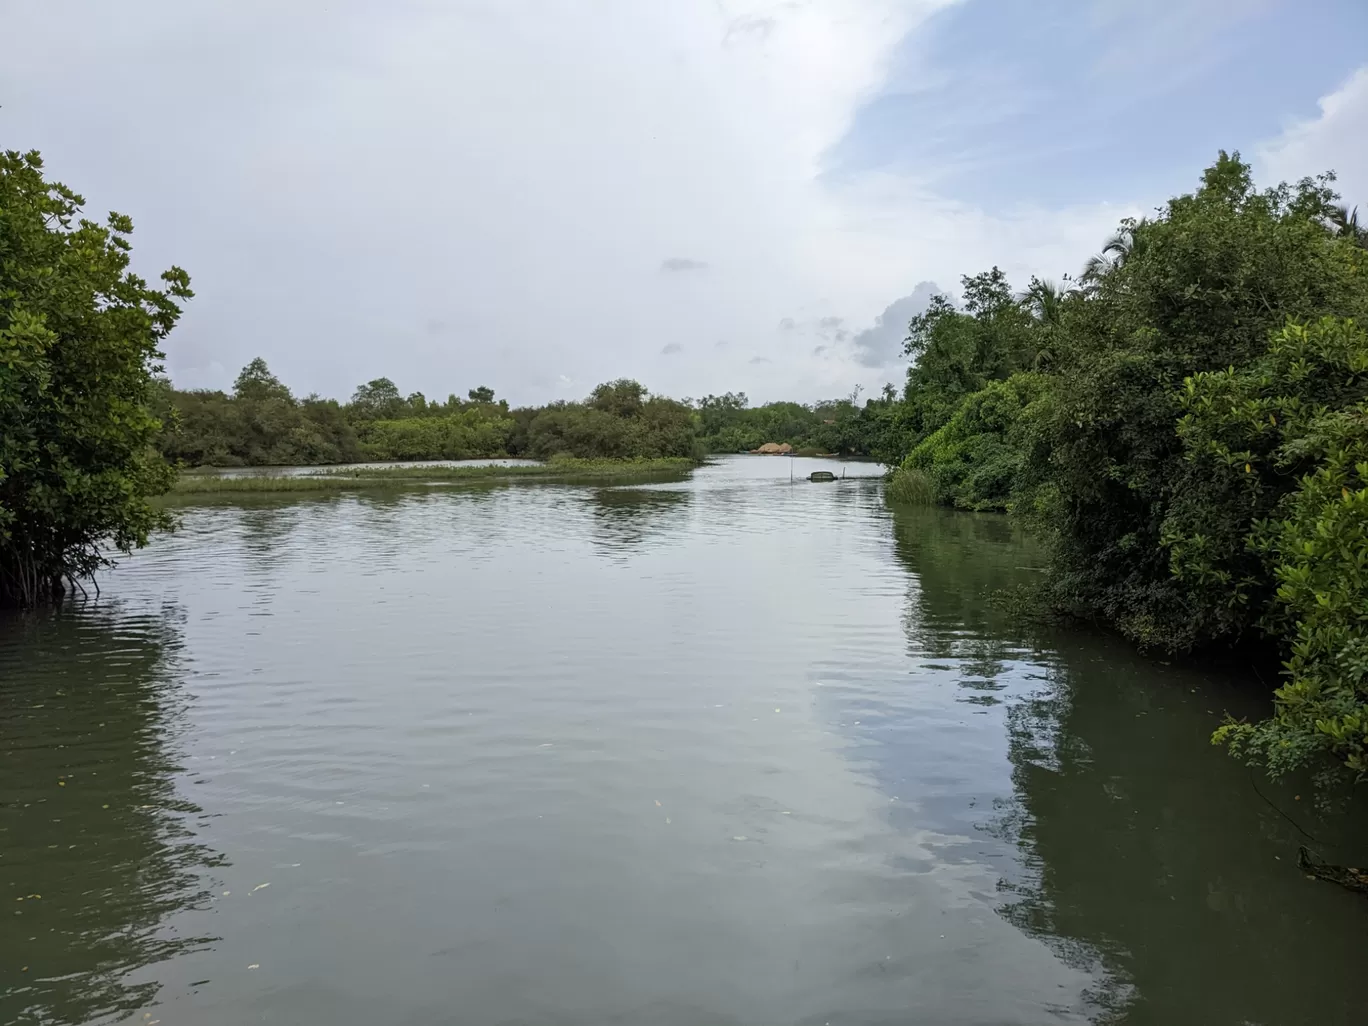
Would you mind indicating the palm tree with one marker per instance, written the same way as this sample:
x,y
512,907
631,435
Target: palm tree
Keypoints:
x,y
1044,299
1119,248
1345,221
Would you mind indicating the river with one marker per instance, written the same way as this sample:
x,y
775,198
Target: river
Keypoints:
x,y
722,751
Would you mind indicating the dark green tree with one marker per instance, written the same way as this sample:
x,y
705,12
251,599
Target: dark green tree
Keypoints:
x,y
377,400
1272,526
956,353
620,398
80,338
1198,287
256,382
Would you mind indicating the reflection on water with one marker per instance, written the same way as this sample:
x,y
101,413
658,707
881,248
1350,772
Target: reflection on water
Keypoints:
x,y
1144,855
628,517
1160,853
98,848
729,750
956,563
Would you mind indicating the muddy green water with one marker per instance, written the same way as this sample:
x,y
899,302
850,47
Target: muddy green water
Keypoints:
x,y
725,751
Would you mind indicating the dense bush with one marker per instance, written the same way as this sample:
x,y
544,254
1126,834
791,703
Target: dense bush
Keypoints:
x,y
1274,528
460,436
974,460
79,348
1247,437
1197,288
1186,425
261,423
1319,550
617,422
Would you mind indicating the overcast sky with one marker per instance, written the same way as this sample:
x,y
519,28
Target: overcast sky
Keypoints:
x,y
707,195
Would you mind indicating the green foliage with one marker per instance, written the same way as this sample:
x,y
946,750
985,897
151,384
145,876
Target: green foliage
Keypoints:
x,y
464,435
1197,288
1320,550
79,348
619,421
623,398
957,353
974,460
1279,452
562,469
909,486
377,400
728,423
1247,436
1187,425
262,424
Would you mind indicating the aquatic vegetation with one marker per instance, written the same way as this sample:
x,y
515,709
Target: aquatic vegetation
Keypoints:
x,y
352,479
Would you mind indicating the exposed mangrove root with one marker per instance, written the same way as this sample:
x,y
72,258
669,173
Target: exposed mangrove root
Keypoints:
x,y
1345,876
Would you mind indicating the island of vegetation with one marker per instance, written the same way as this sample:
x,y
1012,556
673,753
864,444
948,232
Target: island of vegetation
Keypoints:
x,y
1185,424
567,469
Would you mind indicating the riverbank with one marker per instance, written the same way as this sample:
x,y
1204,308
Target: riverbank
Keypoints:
x,y
350,479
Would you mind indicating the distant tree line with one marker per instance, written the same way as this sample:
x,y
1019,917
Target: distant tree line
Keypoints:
x,y
261,423
840,427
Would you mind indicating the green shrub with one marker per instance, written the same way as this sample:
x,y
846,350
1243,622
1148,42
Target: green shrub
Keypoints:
x,y
466,435
1198,288
1246,434
1319,550
974,460
911,487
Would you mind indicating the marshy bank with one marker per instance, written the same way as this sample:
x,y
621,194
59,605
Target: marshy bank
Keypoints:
x,y
347,479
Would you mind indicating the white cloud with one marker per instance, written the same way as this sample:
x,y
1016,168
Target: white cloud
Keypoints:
x,y
339,177
1336,140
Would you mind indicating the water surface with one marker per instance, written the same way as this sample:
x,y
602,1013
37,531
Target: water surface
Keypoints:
x,y
722,751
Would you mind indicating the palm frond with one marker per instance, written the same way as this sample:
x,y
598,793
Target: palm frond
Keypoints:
x,y
1096,268
1119,247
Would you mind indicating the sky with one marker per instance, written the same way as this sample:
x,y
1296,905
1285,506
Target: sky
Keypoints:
x,y
705,195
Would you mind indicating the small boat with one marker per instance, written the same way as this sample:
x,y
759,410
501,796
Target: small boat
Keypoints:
x,y
821,475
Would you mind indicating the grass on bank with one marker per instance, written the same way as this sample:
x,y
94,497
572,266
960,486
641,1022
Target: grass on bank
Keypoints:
x,y
351,479
911,487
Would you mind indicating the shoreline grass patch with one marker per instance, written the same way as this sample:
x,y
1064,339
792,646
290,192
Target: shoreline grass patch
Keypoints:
x,y
565,471
911,486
